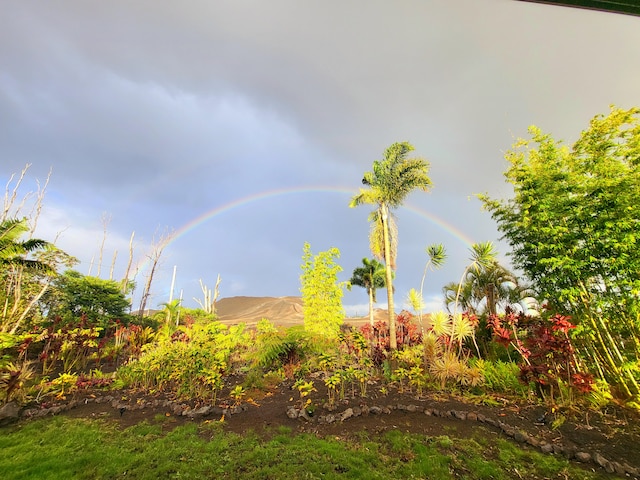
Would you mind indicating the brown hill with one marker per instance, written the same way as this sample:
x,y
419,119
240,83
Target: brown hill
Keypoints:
x,y
250,310
285,311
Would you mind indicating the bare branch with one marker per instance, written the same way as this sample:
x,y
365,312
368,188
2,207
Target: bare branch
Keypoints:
x,y
9,199
106,219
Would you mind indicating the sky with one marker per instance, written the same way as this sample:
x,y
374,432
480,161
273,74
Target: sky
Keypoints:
x,y
241,129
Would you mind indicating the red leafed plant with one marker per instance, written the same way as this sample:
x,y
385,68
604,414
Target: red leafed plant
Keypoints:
x,y
407,334
547,354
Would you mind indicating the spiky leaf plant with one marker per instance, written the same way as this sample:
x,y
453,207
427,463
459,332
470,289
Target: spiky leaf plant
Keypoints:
x,y
440,323
447,367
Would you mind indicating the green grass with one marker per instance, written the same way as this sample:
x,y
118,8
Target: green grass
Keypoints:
x,y
64,448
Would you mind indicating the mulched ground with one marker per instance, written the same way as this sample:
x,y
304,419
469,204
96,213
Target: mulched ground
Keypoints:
x,y
613,434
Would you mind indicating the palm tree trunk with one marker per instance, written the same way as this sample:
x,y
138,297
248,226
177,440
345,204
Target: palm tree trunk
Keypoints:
x,y
371,308
393,342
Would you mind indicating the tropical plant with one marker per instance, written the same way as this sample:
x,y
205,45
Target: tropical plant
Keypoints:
x,y
305,388
191,364
276,348
61,386
370,276
389,183
447,367
14,252
485,290
171,311
13,377
500,377
237,393
572,224
437,256
74,295
24,278
482,255
321,293
332,383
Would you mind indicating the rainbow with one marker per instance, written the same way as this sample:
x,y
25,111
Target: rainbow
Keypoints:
x,y
265,195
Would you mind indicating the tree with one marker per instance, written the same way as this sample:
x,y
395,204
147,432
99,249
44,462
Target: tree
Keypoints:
x,y
392,179
14,252
74,295
437,256
485,285
573,225
156,252
208,303
370,276
321,292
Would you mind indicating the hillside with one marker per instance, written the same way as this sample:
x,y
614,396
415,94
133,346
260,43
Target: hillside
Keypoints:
x,y
285,311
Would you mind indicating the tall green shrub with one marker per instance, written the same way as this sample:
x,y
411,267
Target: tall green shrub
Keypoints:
x,y
322,293
573,225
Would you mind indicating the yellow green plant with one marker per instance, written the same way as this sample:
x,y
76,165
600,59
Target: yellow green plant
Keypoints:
x,y
417,379
13,377
362,377
237,394
446,367
63,385
440,324
332,383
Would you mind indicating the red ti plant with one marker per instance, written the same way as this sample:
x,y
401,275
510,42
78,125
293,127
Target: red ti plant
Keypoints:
x,y
407,334
547,354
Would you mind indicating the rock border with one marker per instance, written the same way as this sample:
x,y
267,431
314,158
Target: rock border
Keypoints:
x,y
519,436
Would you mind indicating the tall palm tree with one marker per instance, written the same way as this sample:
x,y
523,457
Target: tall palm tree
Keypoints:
x,y
393,178
437,256
370,276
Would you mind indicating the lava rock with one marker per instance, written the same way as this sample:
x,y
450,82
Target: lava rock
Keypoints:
x,y
9,412
348,413
583,457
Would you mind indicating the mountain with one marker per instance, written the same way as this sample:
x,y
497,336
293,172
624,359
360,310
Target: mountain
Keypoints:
x,y
280,310
285,311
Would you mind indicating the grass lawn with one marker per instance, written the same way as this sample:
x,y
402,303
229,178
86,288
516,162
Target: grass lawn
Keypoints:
x,y
66,448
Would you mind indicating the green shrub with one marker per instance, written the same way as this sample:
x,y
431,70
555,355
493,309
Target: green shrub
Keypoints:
x,y
501,377
192,362
277,348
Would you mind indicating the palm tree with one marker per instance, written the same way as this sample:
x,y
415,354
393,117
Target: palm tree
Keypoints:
x,y
172,311
437,256
14,252
371,276
482,255
14,262
485,284
391,180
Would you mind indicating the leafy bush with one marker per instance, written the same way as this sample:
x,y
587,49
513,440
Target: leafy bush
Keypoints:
x,y
13,377
501,377
279,348
191,363
547,356
74,344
